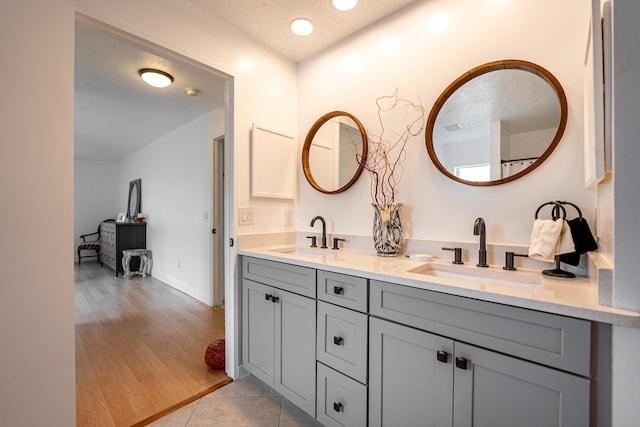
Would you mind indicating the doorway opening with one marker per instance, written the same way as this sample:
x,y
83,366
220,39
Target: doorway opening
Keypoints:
x,y
126,130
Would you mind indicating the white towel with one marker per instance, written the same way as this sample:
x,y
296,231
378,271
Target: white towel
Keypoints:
x,y
565,242
545,236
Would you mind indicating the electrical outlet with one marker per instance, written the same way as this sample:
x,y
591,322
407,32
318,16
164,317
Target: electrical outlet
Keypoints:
x,y
206,216
178,264
246,216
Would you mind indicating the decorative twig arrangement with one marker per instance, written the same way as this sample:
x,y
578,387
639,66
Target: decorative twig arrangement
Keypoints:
x,y
386,154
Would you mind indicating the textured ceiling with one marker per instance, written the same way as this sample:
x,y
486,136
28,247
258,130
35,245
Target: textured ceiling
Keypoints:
x,y
268,21
116,114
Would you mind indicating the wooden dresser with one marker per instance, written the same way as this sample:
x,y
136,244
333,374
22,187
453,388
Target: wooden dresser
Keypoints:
x,y
117,236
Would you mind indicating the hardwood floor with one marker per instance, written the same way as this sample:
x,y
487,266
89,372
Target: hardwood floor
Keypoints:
x,y
140,348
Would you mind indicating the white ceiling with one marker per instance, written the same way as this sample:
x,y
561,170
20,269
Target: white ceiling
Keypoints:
x,y
268,21
116,113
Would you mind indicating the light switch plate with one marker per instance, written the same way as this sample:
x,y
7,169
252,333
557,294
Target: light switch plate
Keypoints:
x,y
246,215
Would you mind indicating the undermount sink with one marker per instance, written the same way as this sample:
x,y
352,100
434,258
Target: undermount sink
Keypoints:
x,y
484,276
300,251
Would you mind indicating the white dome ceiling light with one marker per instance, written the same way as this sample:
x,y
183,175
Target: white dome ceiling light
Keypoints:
x,y
345,4
301,26
155,78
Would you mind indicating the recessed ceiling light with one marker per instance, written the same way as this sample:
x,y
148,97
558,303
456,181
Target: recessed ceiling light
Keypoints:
x,y
155,78
301,26
345,4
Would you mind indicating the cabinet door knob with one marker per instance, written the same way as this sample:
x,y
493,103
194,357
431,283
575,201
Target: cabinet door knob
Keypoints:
x,y
338,290
268,297
275,300
442,356
461,363
337,406
338,340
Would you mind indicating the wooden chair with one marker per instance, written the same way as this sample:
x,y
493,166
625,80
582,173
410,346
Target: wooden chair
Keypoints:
x,y
90,243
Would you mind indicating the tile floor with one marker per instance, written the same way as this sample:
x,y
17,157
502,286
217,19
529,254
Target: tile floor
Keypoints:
x,y
245,402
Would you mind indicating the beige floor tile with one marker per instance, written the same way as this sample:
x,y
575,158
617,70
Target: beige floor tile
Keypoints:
x,y
248,386
292,416
178,418
261,411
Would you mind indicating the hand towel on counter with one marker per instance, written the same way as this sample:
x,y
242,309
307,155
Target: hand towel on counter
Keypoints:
x,y
544,239
582,239
550,238
565,242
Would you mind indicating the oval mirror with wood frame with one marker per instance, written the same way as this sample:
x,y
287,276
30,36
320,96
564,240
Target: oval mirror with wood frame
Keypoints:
x,y
329,153
496,123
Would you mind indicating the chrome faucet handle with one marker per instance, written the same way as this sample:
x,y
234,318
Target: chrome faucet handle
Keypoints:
x,y
457,254
509,260
314,241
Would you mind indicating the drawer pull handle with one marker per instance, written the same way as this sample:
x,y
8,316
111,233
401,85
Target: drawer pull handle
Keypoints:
x,y
338,290
442,356
268,297
337,406
338,340
461,363
275,300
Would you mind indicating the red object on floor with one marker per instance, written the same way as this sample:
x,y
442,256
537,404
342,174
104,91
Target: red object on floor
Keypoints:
x,y
214,356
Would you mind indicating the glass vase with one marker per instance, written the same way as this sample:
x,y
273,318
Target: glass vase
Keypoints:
x,y
387,228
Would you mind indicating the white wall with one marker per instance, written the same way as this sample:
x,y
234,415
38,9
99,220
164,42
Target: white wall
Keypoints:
x,y
37,386
424,62
176,193
95,197
265,83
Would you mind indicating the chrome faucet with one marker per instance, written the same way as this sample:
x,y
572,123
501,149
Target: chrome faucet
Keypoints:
x,y
324,230
479,229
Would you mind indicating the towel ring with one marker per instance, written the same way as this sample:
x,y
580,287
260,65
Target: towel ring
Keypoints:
x,y
555,211
558,208
574,206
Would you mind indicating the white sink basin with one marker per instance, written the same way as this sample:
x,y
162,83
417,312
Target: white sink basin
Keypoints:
x,y
483,276
306,252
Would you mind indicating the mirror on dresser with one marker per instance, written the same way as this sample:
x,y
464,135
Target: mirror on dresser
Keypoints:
x,y
331,148
133,203
496,122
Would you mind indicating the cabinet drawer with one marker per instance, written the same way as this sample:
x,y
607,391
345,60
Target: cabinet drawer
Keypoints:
x,y
341,400
342,340
549,339
341,289
293,278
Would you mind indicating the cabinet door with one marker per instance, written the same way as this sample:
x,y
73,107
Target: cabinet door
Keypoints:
x,y
258,332
295,356
498,390
408,385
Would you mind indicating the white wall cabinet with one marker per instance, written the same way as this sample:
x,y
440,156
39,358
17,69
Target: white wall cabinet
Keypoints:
x,y
279,336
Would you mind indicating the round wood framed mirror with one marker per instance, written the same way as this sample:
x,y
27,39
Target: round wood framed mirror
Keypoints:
x,y
329,154
496,123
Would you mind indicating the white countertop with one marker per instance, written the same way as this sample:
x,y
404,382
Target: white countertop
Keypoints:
x,y
576,297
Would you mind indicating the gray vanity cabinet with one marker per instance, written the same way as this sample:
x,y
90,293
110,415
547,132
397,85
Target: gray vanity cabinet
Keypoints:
x,y
420,378
498,390
279,329
408,386
342,350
